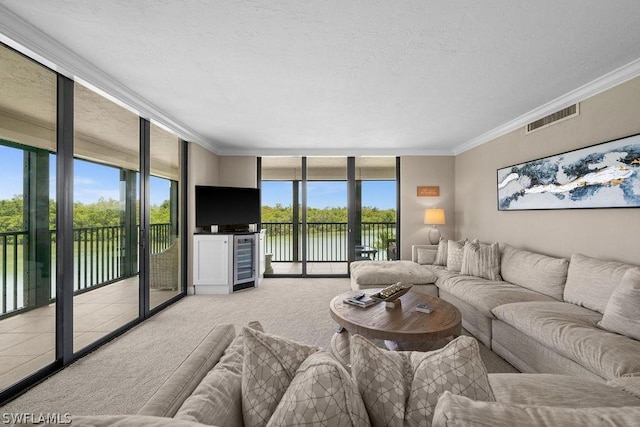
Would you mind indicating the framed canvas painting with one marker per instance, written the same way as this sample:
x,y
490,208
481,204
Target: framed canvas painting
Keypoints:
x,y
605,175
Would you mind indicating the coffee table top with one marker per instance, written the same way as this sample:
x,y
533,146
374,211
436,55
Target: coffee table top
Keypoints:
x,y
402,323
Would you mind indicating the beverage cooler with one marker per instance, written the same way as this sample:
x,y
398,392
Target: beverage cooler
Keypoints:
x,y
244,262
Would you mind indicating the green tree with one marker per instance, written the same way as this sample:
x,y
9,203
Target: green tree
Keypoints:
x,y
11,218
160,214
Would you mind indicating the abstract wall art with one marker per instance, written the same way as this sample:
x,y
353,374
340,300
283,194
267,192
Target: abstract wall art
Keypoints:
x,y
605,175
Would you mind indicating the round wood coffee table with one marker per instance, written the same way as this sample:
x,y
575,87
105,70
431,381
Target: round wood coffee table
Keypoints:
x,y
404,325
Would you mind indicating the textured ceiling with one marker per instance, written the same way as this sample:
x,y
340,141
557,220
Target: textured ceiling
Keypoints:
x,y
337,76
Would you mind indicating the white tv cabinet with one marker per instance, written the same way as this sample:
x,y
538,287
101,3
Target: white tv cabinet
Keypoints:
x,y
216,269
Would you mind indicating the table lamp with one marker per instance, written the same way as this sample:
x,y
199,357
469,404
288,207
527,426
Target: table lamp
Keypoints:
x,y
434,217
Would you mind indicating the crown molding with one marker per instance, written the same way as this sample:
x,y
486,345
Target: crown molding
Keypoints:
x,y
609,80
326,152
30,41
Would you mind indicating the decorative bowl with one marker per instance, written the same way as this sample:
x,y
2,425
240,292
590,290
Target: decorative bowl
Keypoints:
x,y
392,293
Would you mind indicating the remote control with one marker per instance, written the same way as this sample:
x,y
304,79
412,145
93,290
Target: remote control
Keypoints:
x,y
424,308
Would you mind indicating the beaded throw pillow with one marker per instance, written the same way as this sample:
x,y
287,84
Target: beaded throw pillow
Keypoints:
x,y
454,254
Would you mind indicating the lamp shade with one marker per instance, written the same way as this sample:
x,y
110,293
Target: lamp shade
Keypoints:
x,y
434,216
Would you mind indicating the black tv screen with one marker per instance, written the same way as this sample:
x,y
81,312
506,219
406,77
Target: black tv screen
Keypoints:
x,y
226,206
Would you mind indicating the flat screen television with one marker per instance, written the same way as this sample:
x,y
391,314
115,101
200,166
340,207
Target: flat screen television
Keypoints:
x,y
227,206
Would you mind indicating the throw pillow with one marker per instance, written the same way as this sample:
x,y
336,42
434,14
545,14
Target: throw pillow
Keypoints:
x,y
426,256
454,254
402,388
455,410
481,260
322,393
621,314
441,256
217,400
270,364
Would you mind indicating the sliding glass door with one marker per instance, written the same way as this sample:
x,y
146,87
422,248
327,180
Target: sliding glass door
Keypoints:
x,y
165,258
320,213
105,217
91,220
27,217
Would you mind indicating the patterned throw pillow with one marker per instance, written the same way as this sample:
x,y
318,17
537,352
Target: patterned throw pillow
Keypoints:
x,y
402,388
622,309
270,364
454,254
481,260
322,393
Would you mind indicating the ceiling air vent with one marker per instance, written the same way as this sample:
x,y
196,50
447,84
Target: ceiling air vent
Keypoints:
x,y
565,113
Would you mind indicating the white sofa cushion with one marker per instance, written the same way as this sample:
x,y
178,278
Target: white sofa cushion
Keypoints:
x,y
622,312
540,273
571,331
402,388
558,390
384,273
629,384
591,281
455,410
130,421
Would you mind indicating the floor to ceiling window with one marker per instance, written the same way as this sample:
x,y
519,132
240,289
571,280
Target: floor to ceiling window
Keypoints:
x,y
105,216
27,217
319,213
326,215
281,218
375,201
71,220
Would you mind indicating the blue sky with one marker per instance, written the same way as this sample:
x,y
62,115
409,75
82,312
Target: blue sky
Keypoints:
x,y
380,194
92,181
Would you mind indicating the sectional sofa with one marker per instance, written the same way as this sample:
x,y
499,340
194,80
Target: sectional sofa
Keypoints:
x,y
543,314
570,325
303,385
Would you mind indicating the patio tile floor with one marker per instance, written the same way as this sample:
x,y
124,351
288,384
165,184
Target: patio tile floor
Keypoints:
x,y
27,340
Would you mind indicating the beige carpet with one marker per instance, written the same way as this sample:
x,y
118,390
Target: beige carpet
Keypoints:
x,y
121,375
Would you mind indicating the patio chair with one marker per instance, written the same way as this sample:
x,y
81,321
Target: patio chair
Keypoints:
x,y
164,268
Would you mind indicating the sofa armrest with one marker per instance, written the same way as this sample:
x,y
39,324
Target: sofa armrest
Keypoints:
x,y
172,393
424,254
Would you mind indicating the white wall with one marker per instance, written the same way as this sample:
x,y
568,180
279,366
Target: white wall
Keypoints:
x,y
603,233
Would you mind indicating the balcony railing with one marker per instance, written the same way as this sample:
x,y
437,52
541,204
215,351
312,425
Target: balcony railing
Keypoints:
x,y
326,241
98,260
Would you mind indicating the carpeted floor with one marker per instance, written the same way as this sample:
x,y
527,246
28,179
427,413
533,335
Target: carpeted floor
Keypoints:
x,y
119,377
